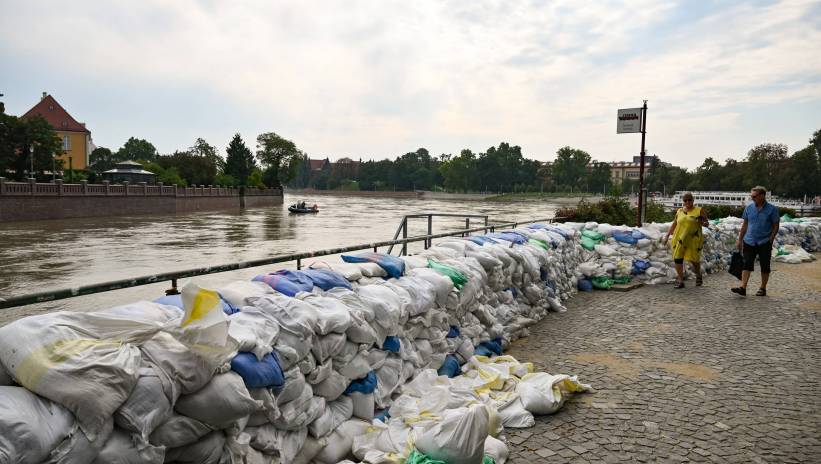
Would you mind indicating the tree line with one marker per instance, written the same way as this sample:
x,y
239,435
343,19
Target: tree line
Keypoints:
x,y
500,169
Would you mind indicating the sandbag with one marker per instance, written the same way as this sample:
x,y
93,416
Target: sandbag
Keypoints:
x,y
286,281
282,443
254,330
266,373
149,404
208,450
184,366
340,442
335,413
241,292
30,426
87,362
542,393
121,448
332,387
459,438
224,400
178,431
327,279
392,265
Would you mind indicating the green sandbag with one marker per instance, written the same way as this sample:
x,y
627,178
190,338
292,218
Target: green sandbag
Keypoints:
x,y
781,252
622,280
593,235
603,283
459,279
419,458
539,243
588,243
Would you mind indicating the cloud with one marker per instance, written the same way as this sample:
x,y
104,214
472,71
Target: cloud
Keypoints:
x,y
377,79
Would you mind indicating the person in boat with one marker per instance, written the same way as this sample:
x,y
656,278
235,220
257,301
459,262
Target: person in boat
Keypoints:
x,y
756,238
687,238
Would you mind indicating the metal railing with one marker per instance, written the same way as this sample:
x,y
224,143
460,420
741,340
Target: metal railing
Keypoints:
x,y
403,226
60,294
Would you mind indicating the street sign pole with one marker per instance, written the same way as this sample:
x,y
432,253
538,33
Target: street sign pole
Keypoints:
x,y
642,190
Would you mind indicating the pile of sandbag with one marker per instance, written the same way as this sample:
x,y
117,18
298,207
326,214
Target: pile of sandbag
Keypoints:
x,y
374,357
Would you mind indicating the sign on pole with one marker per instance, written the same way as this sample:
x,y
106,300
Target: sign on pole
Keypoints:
x,y
629,121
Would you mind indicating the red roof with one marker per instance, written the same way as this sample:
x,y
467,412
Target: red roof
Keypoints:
x,y
56,115
318,165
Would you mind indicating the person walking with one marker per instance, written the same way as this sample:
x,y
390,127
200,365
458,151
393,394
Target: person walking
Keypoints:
x,y
687,238
756,238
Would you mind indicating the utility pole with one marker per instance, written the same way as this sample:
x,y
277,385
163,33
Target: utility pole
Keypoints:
x,y
642,190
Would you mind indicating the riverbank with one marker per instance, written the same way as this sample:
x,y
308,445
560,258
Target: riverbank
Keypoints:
x,y
562,199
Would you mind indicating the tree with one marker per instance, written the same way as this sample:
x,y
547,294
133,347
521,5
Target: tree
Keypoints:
x,y
101,160
804,173
708,175
194,169
279,156
570,166
136,149
599,177
240,161
459,173
18,136
204,149
765,166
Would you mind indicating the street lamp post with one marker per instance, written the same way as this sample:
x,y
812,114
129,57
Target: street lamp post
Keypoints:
x,y
31,160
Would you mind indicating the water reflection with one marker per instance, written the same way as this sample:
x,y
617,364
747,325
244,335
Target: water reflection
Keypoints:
x,y
36,256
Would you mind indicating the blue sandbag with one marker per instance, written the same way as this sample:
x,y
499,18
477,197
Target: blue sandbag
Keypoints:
x,y
395,267
383,415
364,385
287,282
481,239
537,226
585,285
514,237
624,237
495,345
453,332
450,367
560,231
482,351
259,374
327,279
638,235
392,344
176,300
639,266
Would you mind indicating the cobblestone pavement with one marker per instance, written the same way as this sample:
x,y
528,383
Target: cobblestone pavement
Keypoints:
x,y
698,374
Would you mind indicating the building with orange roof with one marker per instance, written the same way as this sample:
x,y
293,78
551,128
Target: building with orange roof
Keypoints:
x,y
76,138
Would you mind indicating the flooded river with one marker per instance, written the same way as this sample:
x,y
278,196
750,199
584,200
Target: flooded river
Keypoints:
x,y
43,255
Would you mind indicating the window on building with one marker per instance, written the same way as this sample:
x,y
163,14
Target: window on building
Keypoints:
x,y
66,142
632,174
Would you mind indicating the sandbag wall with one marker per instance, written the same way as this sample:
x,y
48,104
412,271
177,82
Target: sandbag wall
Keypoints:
x,y
294,365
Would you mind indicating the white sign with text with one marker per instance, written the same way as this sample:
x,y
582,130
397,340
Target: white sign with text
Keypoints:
x,y
629,121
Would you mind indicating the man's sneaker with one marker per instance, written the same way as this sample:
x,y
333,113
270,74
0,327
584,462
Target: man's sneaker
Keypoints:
x,y
740,290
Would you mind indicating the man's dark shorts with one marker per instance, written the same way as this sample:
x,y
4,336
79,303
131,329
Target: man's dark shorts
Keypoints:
x,y
764,253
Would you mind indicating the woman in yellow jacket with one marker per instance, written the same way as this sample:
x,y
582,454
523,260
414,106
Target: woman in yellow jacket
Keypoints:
x,y
687,238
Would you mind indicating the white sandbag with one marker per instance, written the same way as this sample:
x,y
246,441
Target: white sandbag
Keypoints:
x,y
332,387
293,413
349,270
371,270
325,346
284,444
292,347
208,450
363,405
459,438
149,404
542,393
360,330
334,316
179,431
255,331
295,317
385,305
30,426
356,368
605,250
87,362
122,448
321,372
77,448
335,413
311,448
340,442
238,293
496,449
180,363
224,400
388,380
269,403
514,416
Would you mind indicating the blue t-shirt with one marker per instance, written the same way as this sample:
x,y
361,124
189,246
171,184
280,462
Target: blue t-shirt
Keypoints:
x,y
759,223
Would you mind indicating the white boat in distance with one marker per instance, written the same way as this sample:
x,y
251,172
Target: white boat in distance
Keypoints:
x,y
705,198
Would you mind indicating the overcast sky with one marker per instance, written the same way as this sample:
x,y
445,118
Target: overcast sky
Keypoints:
x,y
376,79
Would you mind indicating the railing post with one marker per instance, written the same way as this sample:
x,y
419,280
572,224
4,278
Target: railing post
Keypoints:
x,y
84,187
59,183
405,235
145,188
467,226
32,185
125,187
2,185
428,241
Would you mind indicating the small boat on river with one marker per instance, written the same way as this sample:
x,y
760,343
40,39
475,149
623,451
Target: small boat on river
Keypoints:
x,y
302,208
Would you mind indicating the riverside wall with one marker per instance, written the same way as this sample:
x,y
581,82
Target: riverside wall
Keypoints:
x,y
29,201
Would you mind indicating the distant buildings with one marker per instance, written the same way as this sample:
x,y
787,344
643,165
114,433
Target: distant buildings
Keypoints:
x,y
76,138
131,172
620,170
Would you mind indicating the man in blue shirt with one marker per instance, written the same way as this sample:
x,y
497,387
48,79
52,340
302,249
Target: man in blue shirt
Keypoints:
x,y
756,238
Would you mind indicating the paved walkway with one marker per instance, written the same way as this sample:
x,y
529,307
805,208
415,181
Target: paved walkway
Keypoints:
x,y
697,374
